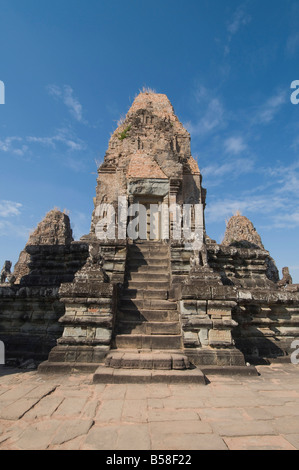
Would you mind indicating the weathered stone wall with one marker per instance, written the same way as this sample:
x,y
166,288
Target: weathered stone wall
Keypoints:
x,y
30,311
237,266
50,265
268,323
207,324
218,322
29,324
90,308
249,311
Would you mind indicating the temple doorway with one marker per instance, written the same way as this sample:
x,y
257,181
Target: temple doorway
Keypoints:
x,y
149,218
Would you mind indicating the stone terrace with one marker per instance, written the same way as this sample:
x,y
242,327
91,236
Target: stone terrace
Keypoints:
x,y
231,412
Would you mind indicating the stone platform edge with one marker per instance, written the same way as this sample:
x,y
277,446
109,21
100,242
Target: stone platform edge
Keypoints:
x,y
110,375
104,374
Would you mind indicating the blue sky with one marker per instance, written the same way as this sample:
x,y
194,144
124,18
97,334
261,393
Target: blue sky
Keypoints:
x,y
72,68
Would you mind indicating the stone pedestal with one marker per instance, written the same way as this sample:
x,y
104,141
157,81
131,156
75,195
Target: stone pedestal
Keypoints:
x,y
206,314
90,303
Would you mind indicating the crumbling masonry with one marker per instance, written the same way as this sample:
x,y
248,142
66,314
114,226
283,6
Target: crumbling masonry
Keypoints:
x,y
153,308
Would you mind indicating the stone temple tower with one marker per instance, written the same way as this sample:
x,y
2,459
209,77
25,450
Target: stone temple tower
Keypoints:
x,y
156,295
124,299
148,162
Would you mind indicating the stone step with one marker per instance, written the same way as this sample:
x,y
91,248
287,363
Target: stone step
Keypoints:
x,y
147,285
146,269
144,276
145,294
153,247
147,315
148,256
109,375
148,341
157,360
149,328
156,262
147,304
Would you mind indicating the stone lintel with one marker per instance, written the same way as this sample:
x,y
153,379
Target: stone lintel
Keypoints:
x,y
221,304
196,321
147,187
88,320
107,301
71,341
222,324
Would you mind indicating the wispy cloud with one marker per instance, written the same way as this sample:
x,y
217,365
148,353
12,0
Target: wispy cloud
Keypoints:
x,y
286,178
266,112
9,212
75,164
276,202
240,18
235,145
290,220
265,204
13,145
9,208
66,95
63,136
211,110
215,174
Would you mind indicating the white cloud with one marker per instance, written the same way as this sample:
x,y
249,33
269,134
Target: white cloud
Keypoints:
x,y
64,136
9,208
233,167
263,204
20,146
76,165
270,108
8,145
283,220
240,18
235,145
286,178
66,94
276,202
213,117
48,141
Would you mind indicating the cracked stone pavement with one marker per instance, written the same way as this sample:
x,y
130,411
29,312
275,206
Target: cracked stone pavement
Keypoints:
x,y
69,412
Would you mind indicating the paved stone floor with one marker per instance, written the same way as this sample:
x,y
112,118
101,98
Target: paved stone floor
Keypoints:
x,y
69,412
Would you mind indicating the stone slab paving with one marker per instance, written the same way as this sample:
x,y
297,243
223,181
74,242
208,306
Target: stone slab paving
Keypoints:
x,y
230,412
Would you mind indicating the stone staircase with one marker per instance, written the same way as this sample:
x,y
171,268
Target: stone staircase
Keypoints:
x,y
146,318
148,336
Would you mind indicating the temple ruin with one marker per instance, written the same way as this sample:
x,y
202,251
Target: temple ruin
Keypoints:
x,y
144,296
